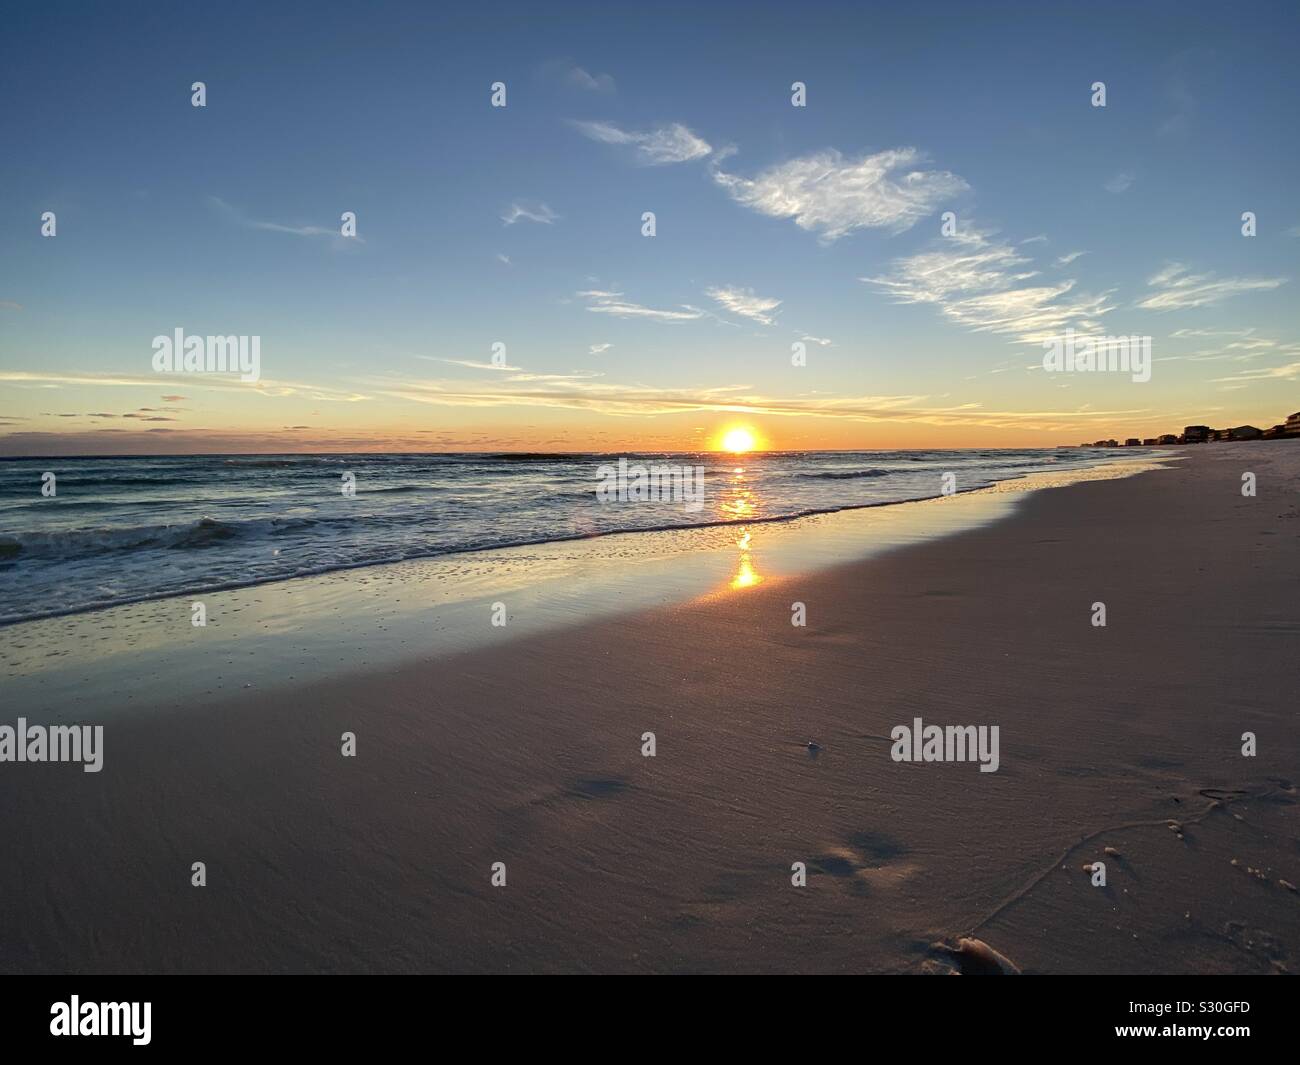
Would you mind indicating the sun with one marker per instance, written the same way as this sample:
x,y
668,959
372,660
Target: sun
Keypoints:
x,y
738,440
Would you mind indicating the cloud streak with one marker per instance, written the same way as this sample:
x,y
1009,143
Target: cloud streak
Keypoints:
x,y
581,79
614,303
528,212
636,400
743,302
661,146
1177,289
240,218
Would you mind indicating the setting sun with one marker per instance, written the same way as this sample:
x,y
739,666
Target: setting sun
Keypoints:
x,y
738,440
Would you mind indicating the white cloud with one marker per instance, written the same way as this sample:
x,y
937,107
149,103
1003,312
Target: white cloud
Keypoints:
x,y
600,302
981,284
1066,260
531,212
505,259
657,147
599,349
1179,290
831,195
1120,183
823,341
742,301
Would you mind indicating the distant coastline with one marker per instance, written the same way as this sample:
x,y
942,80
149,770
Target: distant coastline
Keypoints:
x,y
1203,434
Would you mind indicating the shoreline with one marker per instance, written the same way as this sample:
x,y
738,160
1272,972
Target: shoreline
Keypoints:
x,y
380,615
530,753
1100,462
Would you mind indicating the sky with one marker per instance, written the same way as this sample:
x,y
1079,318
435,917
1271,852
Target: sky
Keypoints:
x,y
522,226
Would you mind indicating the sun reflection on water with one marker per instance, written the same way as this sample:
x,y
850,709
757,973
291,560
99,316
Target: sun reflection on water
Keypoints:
x,y
739,502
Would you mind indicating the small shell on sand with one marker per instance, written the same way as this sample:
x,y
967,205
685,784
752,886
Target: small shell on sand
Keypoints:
x,y
1112,852
974,957
1287,884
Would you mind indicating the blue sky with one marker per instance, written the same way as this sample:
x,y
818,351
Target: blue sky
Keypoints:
x,y
773,222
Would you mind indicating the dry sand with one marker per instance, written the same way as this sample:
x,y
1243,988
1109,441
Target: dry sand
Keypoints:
x,y
530,754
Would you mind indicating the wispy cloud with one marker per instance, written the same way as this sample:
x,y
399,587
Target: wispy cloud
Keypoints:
x,y
515,374
1194,64
529,211
10,305
984,285
1246,348
1288,372
472,364
599,349
1066,260
581,79
1213,332
567,73
1177,289
1120,183
660,146
830,195
205,382
144,414
614,303
743,302
240,218
625,400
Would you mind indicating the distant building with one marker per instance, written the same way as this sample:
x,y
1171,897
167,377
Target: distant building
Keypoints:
x,y
1168,438
1293,424
1132,441
1245,432
1150,441
1196,434
1278,432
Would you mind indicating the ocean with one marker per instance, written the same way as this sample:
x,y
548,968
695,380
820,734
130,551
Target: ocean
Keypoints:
x,y
121,530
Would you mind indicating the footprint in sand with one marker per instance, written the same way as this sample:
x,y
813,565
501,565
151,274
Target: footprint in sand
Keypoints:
x,y
869,860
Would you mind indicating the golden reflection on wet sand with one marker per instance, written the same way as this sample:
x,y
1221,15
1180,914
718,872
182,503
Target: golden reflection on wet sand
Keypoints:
x,y
739,502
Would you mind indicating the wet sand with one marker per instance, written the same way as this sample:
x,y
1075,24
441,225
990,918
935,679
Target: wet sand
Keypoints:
x,y
530,753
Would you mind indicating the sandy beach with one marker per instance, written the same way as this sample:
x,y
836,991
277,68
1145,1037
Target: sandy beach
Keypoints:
x,y
529,753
